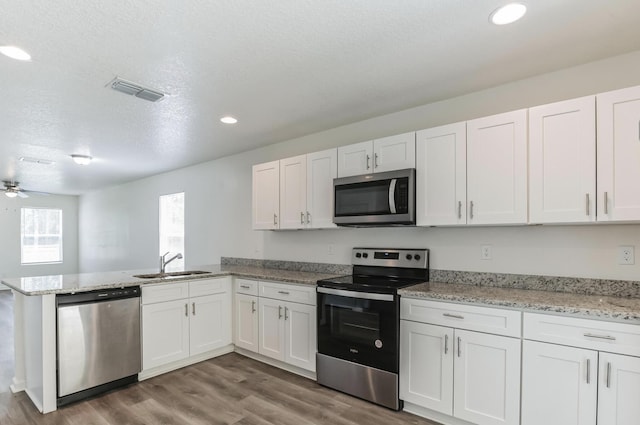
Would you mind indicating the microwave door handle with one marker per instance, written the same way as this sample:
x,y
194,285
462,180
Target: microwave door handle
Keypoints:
x,y
392,196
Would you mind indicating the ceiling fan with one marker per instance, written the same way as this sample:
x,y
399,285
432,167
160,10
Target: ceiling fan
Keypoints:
x,y
12,189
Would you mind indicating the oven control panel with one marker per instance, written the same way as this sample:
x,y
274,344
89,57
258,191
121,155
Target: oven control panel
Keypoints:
x,y
384,257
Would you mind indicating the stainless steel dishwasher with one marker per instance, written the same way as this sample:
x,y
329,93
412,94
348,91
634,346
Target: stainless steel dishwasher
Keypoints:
x,y
98,342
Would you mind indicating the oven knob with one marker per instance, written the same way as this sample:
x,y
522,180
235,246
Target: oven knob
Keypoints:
x,y
365,255
417,257
358,255
409,257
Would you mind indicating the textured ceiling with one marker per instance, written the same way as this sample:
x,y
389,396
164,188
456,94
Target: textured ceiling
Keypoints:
x,y
284,68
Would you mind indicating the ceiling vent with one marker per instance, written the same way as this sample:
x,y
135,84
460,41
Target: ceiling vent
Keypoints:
x,y
131,88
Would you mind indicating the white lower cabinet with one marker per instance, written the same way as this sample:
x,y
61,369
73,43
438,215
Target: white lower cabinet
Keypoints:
x,y
246,322
288,332
176,329
573,375
472,376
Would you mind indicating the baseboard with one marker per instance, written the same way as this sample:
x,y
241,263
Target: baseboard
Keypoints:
x,y
433,415
169,367
276,363
17,386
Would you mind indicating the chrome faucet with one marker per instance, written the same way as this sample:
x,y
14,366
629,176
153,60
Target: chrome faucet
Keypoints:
x,y
163,263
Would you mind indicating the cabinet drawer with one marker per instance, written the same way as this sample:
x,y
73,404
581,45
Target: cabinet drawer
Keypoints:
x,y
245,286
584,333
201,287
288,292
164,292
481,319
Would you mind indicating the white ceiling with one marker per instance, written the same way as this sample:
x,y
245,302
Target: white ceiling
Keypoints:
x,y
284,68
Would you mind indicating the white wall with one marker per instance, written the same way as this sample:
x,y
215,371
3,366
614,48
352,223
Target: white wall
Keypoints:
x,y
10,235
119,225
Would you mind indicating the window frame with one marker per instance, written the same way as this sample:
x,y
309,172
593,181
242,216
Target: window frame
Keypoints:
x,y
22,236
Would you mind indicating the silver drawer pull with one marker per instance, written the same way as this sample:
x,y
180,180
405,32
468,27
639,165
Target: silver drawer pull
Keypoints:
x,y
253,306
283,292
455,316
459,347
608,374
245,286
279,312
446,343
606,202
587,205
193,307
186,310
607,337
588,371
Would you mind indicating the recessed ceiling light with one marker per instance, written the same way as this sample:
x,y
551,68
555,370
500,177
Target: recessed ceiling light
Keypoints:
x,y
15,53
228,120
508,13
81,159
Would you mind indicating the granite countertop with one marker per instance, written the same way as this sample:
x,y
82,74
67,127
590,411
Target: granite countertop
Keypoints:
x,y
81,282
588,306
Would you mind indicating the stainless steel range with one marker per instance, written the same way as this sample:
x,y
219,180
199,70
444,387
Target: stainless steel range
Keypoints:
x,y
359,323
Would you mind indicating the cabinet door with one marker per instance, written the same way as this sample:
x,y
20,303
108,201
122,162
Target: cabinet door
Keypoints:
x,y
497,169
293,192
210,326
426,366
300,328
165,333
559,384
618,390
355,159
441,173
246,322
266,198
394,152
486,378
322,168
271,324
618,153
562,162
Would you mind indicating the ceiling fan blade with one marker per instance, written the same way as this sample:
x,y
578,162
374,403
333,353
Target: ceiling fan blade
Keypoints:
x,y
21,194
35,192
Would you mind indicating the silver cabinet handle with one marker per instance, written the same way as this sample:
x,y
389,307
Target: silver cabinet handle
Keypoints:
x,y
607,337
459,349
308,217
459,209
368,159
283,292
446,343
608,374
375,160
301,217
588,371
245,286
279,312
186,310
275,219
253,306
193,308
455,316
606,202
286,313
471,210
587,204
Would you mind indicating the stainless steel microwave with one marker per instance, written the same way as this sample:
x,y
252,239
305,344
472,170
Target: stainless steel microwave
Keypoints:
x,y
379,199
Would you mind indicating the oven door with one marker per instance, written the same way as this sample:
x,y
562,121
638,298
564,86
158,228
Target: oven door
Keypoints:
x,y
360,327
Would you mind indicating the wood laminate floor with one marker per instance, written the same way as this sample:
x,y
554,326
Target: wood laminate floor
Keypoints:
x,y
230,389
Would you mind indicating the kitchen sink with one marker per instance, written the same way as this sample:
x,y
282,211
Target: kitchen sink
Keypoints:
x,y
169,275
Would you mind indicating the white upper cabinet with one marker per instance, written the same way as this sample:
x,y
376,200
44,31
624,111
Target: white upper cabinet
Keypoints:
x,y
497,169
322,168
394,152
293,192
618,155
355,159
388,153
266,197
562,162
441,174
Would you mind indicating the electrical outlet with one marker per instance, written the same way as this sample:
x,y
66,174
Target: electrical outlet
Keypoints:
x,y
485,252
626,255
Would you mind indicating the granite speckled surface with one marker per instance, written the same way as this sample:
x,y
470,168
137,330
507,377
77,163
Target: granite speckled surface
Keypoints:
x,y
81,282
300,266
590,306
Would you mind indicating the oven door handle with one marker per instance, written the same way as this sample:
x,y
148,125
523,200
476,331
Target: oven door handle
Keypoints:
x,y
392,196
356,294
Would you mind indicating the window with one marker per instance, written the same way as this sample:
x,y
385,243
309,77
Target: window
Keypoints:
x,y
41,235
172,228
